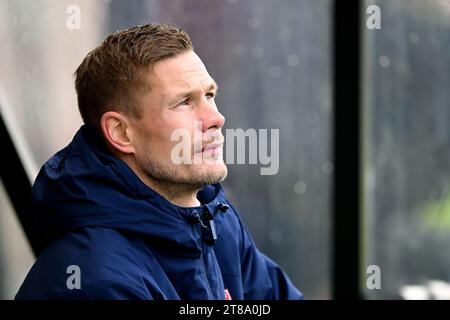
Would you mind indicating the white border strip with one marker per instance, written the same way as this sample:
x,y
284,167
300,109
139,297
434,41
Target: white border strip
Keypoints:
x,y
17,137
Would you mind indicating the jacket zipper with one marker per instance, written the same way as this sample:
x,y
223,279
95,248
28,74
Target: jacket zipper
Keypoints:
x,y
203,227
206,276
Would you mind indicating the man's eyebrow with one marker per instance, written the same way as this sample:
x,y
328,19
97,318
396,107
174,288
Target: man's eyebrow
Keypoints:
x,y
213,86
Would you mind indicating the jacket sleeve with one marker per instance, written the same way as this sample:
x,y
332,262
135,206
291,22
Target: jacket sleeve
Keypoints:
x,y
262,278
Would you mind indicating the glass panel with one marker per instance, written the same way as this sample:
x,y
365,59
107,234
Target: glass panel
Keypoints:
x,y
407,149
39,57
272,60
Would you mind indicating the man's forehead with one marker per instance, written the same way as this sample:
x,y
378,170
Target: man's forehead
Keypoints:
x,y
182,71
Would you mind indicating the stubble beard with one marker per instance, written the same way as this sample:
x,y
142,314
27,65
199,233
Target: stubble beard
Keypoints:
x,y
185,176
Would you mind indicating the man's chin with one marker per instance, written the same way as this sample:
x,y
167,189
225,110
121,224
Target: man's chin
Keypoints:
x,y
210,174
217,173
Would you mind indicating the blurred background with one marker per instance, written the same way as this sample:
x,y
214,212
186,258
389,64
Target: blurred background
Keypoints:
x,y
273,61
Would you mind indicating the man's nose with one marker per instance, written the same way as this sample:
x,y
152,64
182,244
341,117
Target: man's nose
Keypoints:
x,y
210,116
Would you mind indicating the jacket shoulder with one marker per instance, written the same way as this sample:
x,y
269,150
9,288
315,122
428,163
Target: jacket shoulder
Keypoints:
x,y
97,263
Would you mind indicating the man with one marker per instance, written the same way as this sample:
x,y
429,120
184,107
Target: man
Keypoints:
x,y
120,216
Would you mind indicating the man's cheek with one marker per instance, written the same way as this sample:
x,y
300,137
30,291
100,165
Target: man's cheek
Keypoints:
x,y
181,147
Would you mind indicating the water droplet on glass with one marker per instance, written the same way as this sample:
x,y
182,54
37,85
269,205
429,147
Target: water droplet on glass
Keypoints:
x,y
275,71
384,61
293,60
300,187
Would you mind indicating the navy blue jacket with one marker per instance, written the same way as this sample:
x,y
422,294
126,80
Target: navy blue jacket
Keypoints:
x,y
128,242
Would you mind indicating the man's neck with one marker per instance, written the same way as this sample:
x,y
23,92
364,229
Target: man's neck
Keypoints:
x,y
182,195
178,194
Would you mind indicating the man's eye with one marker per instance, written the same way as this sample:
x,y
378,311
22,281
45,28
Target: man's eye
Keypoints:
x,y
182,103
210,95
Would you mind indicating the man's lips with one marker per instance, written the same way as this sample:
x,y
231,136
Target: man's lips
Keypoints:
x,y
212,146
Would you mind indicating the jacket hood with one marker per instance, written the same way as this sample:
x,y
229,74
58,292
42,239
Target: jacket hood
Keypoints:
x,y
84,185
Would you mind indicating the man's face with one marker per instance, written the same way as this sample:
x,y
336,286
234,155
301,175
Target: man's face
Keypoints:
x,y
181,98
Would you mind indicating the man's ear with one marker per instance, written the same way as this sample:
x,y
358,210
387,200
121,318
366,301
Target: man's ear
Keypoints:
x,y
116,130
